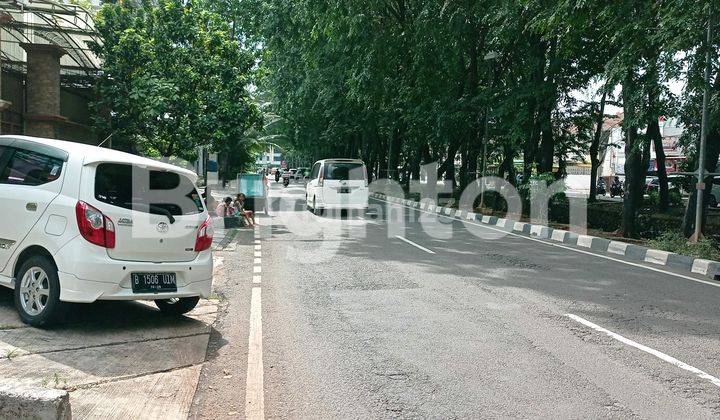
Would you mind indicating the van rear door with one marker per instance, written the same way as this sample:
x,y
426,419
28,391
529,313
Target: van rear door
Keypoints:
x,y
344,183
157,213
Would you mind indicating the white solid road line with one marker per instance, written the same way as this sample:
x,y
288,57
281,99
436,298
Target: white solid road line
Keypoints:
x,y
254,391
607,257
660,355
414,244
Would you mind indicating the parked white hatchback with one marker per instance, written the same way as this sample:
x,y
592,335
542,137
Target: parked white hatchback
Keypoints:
x,y
82,223
337,184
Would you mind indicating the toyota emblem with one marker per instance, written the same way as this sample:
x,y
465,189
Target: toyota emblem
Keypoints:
x,y
163,227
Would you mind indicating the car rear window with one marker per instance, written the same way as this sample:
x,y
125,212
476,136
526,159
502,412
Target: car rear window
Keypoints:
x,y
150,191
344,171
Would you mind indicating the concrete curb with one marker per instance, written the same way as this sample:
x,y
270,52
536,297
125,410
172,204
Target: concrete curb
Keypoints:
x,y
34,403
706,268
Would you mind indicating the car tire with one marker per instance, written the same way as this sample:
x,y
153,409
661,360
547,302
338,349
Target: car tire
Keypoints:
x,y
177,306
316,211
37,292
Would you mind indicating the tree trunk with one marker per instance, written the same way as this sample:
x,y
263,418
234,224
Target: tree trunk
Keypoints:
x,y
547,144
394,155
594,149
531,147
633,164
653,131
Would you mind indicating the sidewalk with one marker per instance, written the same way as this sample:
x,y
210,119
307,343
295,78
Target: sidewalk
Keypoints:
x,y
116,359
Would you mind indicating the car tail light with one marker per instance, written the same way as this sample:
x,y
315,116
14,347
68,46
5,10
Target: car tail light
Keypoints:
x,y
94,226
204,236
321,179
365,173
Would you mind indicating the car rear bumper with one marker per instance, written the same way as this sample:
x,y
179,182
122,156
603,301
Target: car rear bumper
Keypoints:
x,y
331,206
87,274
75,290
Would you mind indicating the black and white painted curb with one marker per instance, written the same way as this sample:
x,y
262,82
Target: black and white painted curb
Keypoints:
x,y
707,268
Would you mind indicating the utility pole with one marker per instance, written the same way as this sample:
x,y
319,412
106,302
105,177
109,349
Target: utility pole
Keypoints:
x,y
699,207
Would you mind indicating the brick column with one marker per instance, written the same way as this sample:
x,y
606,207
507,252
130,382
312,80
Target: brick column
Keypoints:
x,y
43,90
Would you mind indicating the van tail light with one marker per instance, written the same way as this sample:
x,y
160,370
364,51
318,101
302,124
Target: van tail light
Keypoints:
x,y
204,236
94,226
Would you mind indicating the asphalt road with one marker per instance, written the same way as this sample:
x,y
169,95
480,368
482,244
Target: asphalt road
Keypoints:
x,y
417,316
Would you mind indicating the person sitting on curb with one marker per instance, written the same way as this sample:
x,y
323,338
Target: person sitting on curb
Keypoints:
x,y
225,208
241,212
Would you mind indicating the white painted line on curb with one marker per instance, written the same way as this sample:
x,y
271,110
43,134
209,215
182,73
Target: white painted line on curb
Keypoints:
x,y
257,260
619,248
414,244
257,279
258,254
257,269
701,266
558,235
657,257
606,257
585,241
660,355
258,247
254,389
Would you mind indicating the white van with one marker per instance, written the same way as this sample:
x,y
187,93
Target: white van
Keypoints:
x,y
83,223
337,184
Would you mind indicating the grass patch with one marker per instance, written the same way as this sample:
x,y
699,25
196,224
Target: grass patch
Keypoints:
x,y
11,353
677,243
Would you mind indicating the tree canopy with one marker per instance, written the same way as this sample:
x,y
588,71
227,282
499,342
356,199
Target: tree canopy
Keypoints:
x,y
174,77
400,83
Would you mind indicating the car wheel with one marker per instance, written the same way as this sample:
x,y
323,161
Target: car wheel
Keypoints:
x,y
37,292
316,211
177,306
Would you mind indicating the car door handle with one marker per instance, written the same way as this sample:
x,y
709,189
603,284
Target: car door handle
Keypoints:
x,y
31,206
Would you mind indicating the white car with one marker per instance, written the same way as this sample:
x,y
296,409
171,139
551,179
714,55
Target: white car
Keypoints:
x,y
337,184
82,223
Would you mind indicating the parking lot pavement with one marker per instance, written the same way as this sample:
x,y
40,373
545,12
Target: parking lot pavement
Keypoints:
x,y
117,359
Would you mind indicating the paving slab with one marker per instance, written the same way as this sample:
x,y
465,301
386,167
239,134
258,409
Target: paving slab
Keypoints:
x,y
117,359
171,394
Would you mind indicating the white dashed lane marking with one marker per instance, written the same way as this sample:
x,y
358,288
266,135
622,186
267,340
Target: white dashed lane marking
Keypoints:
x,y
660,355
414,244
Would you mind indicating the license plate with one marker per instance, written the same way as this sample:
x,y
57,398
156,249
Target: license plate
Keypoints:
x,y
153,282
344,190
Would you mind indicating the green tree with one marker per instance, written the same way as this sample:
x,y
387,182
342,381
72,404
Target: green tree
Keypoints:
x,y
173,78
